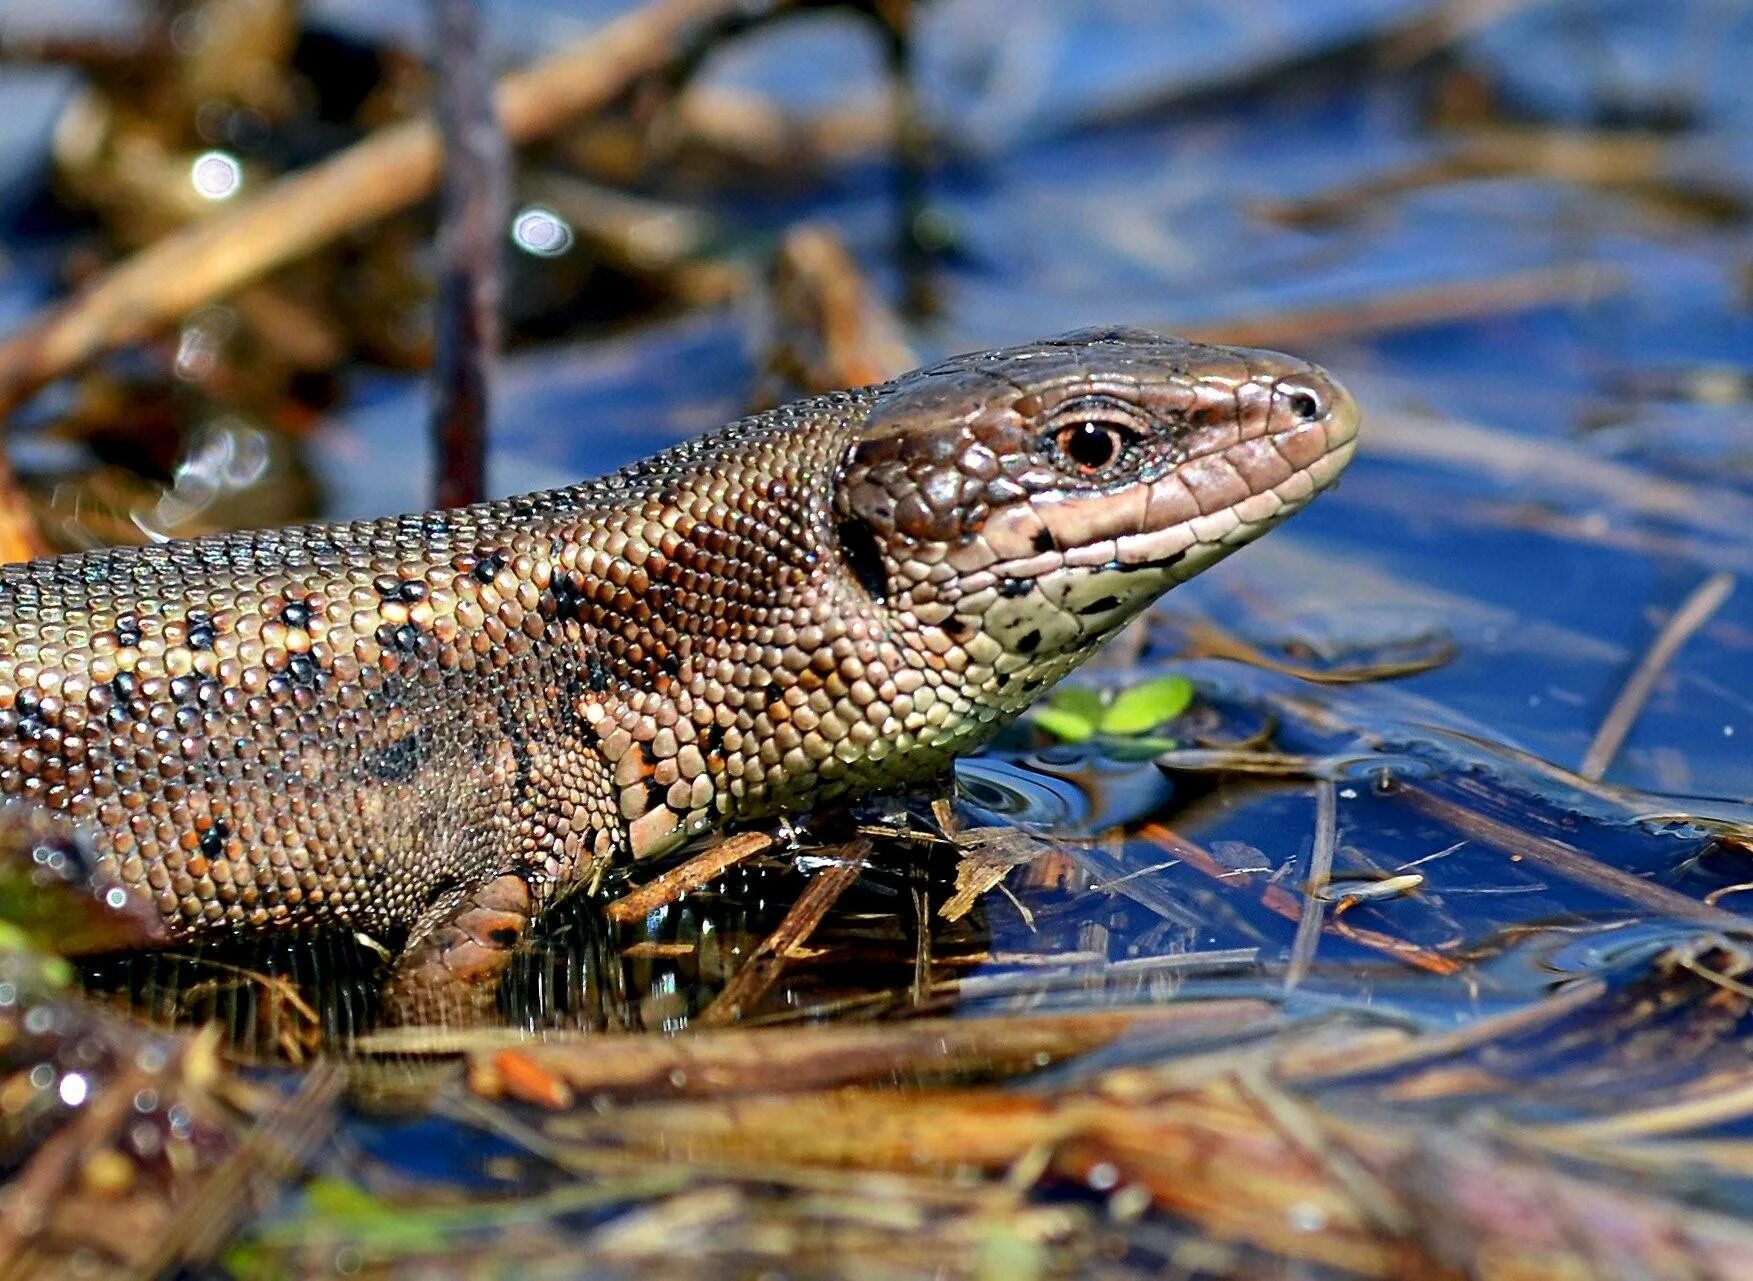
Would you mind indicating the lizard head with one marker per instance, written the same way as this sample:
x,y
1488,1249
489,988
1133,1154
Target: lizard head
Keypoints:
x,y
1007,512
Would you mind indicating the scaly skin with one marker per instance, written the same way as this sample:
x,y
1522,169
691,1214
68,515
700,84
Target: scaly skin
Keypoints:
x,y
430,728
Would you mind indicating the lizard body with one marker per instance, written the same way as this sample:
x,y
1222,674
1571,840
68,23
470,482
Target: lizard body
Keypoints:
x,y
431,727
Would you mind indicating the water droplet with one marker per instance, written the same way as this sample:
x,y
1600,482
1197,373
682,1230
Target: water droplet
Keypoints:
x,y
541,232
74,1089
216,175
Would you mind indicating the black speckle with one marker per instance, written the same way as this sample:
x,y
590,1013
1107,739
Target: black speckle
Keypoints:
x,y
596,673
1011,588
1044,541
214,838
955,626
123,685
488,566
302,669
1029,643
504,936
388,586
411,592
863,558
27,702
1100,606
405,639
400,761
128,632
569,598
295,614
185,689
1002,680
198,631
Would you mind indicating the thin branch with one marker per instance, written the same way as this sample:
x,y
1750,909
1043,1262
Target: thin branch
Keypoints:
x,y
1308,929
1705,600
392,170
472,219
707,866
764,966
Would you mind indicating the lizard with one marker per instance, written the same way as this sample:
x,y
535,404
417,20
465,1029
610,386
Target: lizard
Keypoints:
x,y
430,728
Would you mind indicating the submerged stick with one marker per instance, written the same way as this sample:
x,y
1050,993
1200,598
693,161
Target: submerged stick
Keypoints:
x,y
1695,612
763,967
392,170
704,868
472,215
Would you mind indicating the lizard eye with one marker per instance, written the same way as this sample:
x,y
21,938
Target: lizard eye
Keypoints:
x,y
1305,404
1091,446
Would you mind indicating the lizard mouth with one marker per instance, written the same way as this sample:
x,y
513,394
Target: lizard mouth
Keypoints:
x,y
1279,487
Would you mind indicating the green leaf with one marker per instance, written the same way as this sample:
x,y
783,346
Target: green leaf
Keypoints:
x,y
1144,707
1066,726
1079,700
339,1198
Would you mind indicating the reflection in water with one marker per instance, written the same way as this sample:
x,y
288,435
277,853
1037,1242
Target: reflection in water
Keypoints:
x,y
1109,881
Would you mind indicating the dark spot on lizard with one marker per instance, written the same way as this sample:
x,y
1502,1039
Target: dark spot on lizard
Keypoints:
x,y
596,673
487,566
127,632
1011,588
863,558
400,761
1099,606
955,627
295,613
1029,643
1044,540
569,597
198,630
404,639
214,838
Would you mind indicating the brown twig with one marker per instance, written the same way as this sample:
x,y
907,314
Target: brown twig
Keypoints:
x,y
1275,899
830,329
1420,305
768,959
390,171
472,216
20,539
743,1061
1695,612
1571,863
704,867
1308,930
1205,639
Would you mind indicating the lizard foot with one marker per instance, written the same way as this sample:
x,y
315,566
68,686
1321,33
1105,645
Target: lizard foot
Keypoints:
x,y
450,972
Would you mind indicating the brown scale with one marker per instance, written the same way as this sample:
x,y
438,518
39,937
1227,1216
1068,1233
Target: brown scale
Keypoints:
x,y
430,727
